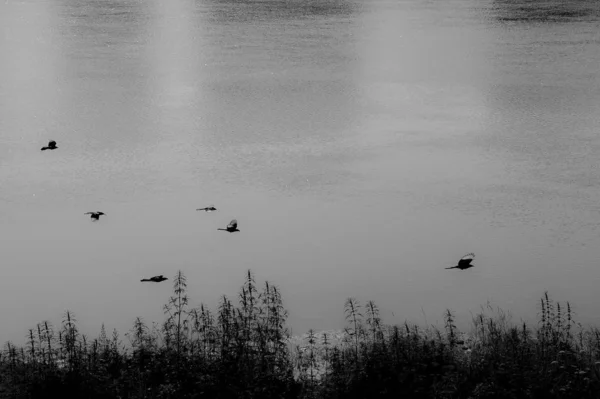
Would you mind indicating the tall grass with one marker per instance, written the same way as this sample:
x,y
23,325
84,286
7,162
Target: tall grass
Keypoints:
x,y
243,349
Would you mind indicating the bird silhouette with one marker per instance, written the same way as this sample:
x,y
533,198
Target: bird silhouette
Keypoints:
x,y
231,227
155,279
51,146
464,262
207,209
94,215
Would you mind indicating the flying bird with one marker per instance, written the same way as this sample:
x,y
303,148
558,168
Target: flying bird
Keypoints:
x,y
51,146
464,262
231,227
207,209
94,215
155,279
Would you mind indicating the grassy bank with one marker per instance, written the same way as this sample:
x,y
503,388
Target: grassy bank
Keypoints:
x,y
243,349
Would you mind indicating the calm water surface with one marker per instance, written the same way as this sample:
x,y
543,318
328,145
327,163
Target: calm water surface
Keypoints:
x,y
362,146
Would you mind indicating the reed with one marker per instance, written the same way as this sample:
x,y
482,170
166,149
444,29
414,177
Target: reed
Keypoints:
x,y
244,350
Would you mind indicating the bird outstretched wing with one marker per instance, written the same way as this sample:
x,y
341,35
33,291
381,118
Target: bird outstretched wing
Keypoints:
x,y
52,143
466,260
232,224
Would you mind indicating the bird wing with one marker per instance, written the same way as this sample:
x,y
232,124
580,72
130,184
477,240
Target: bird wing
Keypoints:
x,y
467,259
52,143
233,224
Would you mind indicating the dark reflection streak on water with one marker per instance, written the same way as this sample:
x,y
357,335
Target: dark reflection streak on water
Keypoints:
x,y
557,11
280,11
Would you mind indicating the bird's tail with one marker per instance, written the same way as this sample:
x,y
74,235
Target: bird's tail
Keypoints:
x,y
145,279
453,267
222,229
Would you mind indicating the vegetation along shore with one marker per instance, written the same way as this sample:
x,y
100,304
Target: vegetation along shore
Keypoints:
x,y
243,349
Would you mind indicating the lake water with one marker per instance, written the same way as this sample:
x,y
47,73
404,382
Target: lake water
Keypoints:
x,y
362,147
